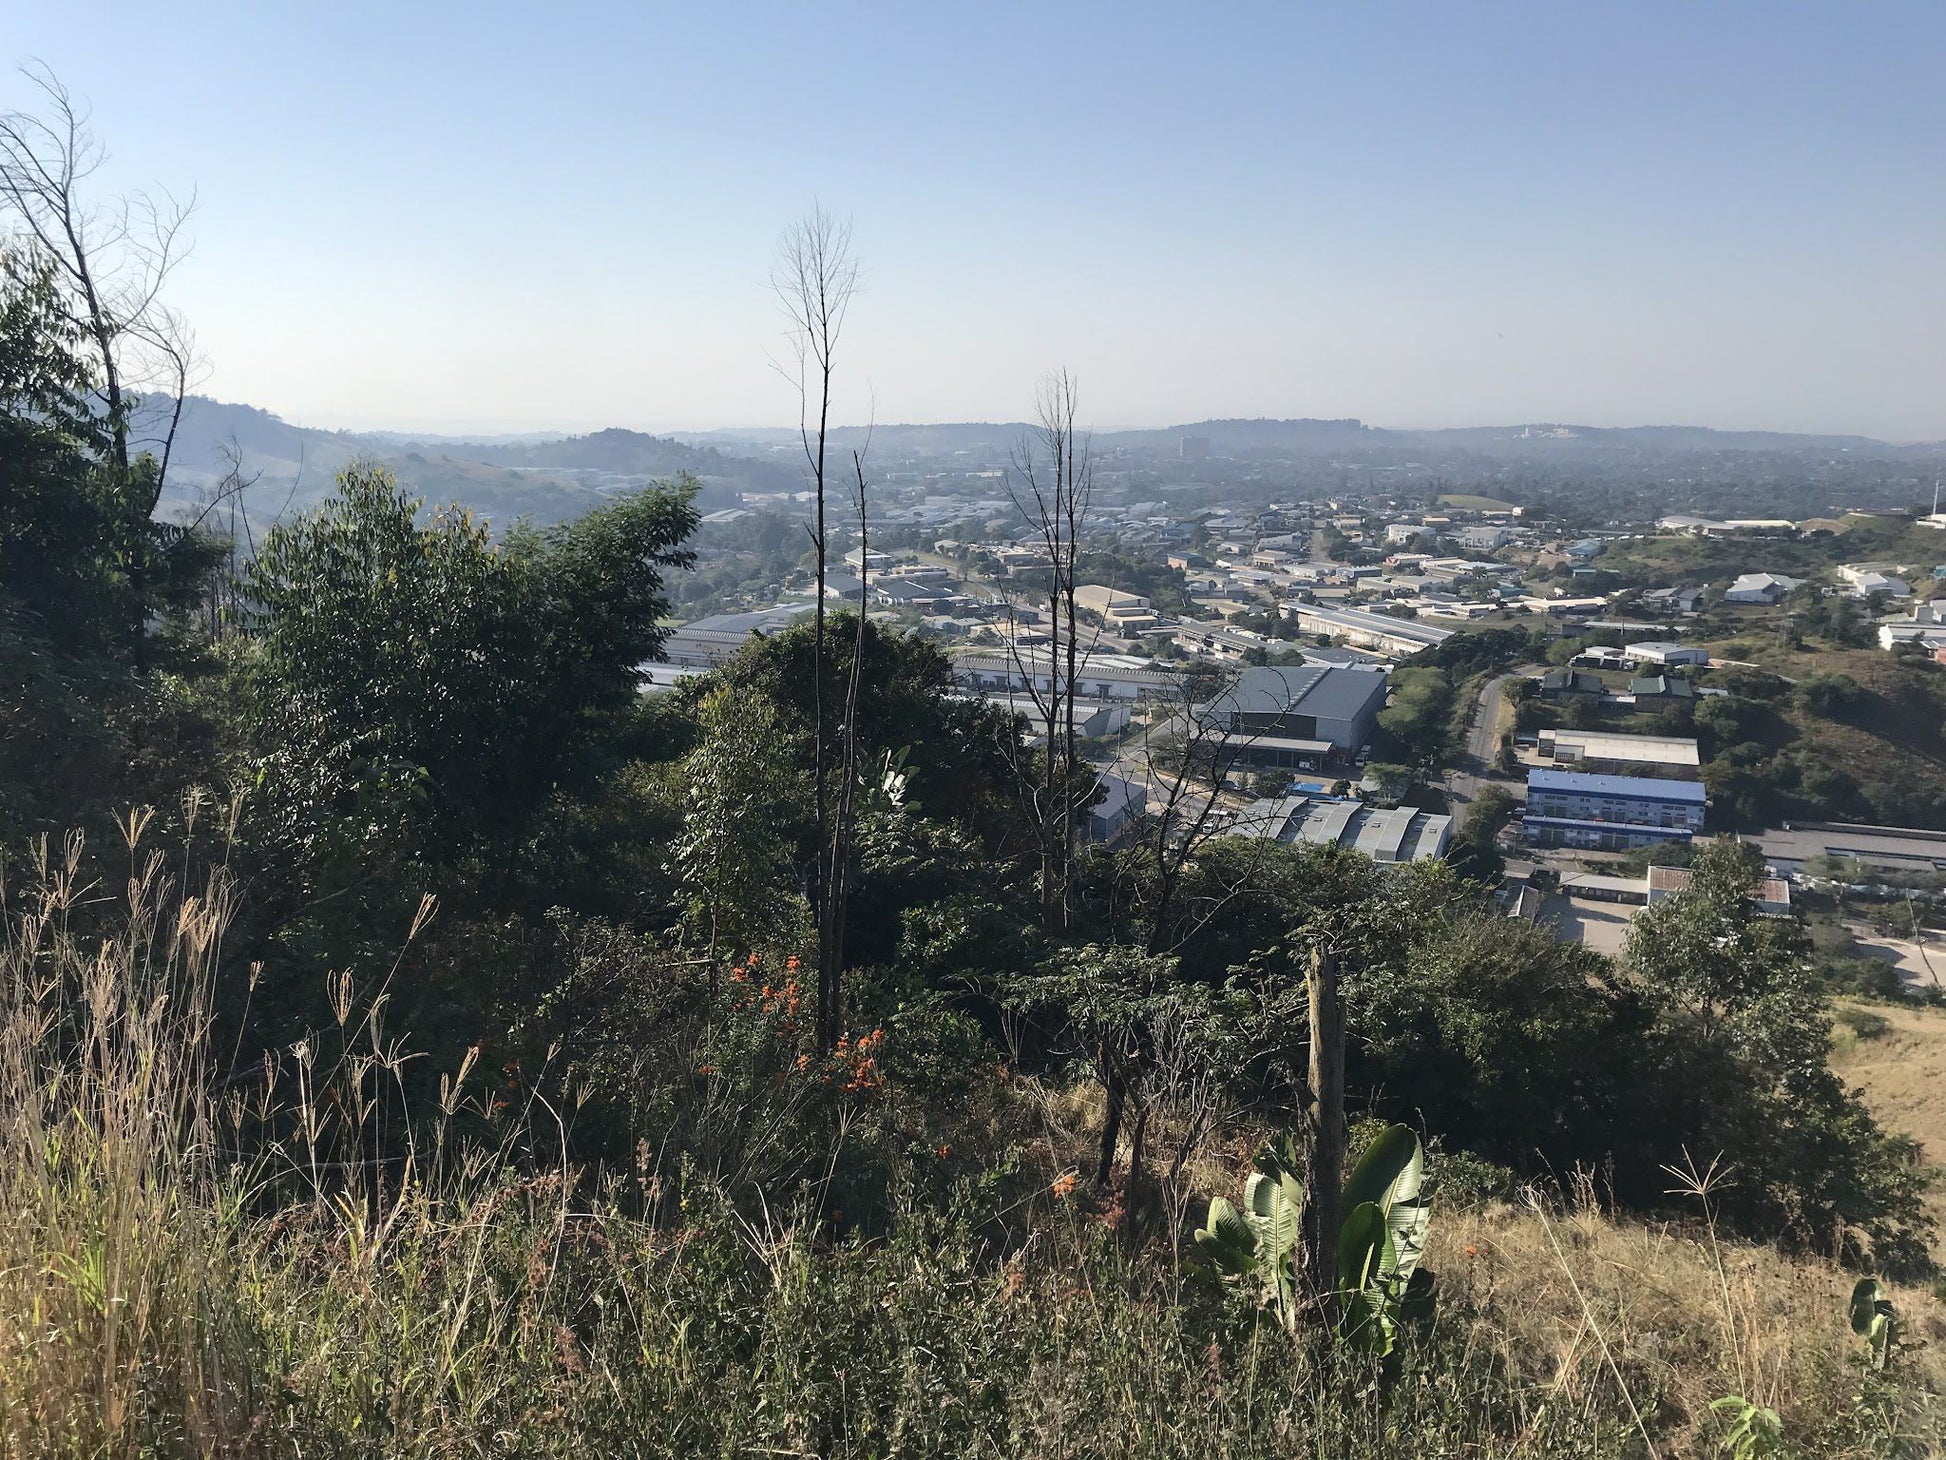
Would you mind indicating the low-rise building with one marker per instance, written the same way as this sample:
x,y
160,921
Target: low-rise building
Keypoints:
x,y
1122,804
1763,588
1367,630
1099,676
1610,813
1310,702
1661,687
1879,848
1604,752
1862,581
1565,682
1663,653
1119,610
1924,628
1405,834
714,640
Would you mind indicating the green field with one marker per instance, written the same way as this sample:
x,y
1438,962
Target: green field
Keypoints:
x,y
1473,503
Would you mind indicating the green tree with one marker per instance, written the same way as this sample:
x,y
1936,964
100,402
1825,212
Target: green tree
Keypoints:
x,y
410,677
1747,1026
741,791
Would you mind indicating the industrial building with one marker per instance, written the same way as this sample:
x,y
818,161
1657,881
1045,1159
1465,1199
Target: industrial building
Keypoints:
x,y
1299,718
711,641
1402,835
1098,675
1366,630
1672,756
1610,813
1876,848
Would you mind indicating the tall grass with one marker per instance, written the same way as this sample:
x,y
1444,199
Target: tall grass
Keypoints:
x,y
193,1263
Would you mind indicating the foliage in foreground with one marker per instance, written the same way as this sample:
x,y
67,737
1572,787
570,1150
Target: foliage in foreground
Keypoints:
x,y
164,1299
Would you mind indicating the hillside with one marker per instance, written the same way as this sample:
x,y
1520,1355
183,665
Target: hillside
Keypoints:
x,y
548,480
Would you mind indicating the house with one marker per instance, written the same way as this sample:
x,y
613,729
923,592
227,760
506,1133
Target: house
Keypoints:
x,y
1674,600
1663,653
1401,533
1661,687
1122,802
1863,582
1560,683
1763,588
1609,813
1601,656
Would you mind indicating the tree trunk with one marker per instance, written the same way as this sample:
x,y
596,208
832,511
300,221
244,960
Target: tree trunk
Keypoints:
x,y
1324,1126
1111,1121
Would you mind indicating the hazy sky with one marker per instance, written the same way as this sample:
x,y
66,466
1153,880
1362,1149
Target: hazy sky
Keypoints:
x,y
452,216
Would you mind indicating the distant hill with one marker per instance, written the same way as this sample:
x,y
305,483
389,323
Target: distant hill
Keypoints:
x,y
1306,436
548,480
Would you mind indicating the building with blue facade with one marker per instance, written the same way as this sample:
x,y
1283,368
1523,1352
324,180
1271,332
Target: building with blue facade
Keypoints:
x,y
1610,813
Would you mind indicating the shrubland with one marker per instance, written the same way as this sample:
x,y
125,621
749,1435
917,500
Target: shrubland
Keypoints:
x,y
409,1045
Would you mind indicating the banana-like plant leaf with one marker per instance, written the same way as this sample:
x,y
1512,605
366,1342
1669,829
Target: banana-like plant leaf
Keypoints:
x,y
1391,1175
1366,1257
1227,1239
1367,1324
1275,1204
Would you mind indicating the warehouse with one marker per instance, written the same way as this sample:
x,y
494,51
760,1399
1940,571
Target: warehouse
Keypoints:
x,y
1403,835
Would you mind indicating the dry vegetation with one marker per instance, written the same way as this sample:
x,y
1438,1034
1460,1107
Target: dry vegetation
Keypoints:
x,y
163,1300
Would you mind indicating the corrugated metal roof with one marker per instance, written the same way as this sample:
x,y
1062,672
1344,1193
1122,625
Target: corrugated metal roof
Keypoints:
x,y
1640,788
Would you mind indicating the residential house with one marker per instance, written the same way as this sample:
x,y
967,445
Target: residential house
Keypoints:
x,y
1762,588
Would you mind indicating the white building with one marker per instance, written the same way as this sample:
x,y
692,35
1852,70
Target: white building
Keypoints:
x,y
1664,653
1366,630
1764,588
1863,582
1926,628
1485,537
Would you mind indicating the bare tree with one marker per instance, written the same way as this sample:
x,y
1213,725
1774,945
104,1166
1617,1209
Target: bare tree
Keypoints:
x,y
1051,481
112,258
815,279
1184,763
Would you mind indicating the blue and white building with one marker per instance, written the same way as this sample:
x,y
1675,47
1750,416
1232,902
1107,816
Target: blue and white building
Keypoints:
x,y
1610,813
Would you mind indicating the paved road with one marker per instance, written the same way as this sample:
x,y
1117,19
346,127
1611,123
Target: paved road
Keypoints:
x,y
1480,762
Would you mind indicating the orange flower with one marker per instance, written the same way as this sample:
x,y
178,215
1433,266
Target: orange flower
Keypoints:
x,y
1064,1185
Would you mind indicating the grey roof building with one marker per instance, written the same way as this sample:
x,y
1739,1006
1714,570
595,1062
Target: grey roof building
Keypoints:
x,y
1321,702
1403,835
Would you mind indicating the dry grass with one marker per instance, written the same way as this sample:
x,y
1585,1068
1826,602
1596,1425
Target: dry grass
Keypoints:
x,y
148,1311
1902,1071
1549,1289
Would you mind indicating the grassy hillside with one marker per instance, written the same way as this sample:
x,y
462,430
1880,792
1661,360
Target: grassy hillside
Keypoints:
x,y
1670,560
1872,749
486,1299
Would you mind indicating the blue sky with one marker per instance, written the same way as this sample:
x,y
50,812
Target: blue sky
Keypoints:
x,y
454,217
